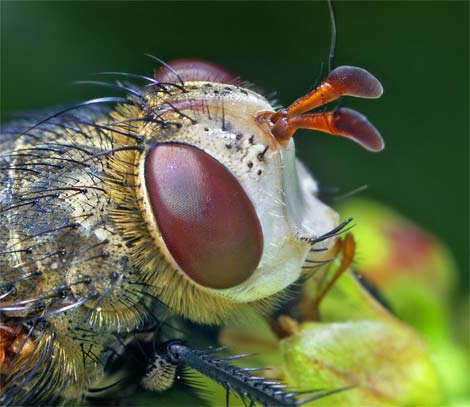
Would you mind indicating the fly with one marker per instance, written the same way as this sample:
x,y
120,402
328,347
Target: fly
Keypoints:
x,y
181,201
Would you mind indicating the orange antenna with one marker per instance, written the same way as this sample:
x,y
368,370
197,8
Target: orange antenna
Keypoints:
x,y
342,81
341,122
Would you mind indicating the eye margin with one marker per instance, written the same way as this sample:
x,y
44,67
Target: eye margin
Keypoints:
x,y
159,274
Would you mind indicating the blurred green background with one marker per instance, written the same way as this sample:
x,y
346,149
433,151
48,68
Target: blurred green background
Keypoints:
x,y
419,50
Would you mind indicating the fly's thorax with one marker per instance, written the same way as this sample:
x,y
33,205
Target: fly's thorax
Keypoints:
x,y
63,271
59,248
209,136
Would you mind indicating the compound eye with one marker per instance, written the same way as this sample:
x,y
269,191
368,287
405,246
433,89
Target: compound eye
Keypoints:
x,y
206,219
195,70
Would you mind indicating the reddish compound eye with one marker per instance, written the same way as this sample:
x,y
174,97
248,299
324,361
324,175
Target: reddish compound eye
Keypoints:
x,y
206,219
195,70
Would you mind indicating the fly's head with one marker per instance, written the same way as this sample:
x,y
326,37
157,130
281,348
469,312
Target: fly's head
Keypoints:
x,y
215,207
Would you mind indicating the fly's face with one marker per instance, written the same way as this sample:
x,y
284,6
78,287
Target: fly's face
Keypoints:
x,y
231,214
225,197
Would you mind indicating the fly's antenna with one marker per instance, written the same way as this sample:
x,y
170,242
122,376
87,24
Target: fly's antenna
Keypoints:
x,y
252,389
341,81
331,55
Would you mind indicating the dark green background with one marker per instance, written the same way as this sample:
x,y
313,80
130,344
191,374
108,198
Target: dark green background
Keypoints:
x,y
419,50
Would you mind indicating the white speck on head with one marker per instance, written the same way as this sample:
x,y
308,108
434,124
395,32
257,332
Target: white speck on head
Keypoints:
x,y
101,234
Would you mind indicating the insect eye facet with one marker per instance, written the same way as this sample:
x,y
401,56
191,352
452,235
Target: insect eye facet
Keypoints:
x,y
189,70
206,219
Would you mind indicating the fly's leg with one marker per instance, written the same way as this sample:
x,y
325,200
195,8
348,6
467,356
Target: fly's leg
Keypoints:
x,y
252,389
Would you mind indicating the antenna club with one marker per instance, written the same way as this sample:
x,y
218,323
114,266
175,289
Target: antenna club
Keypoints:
x,y
355,81
355,126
